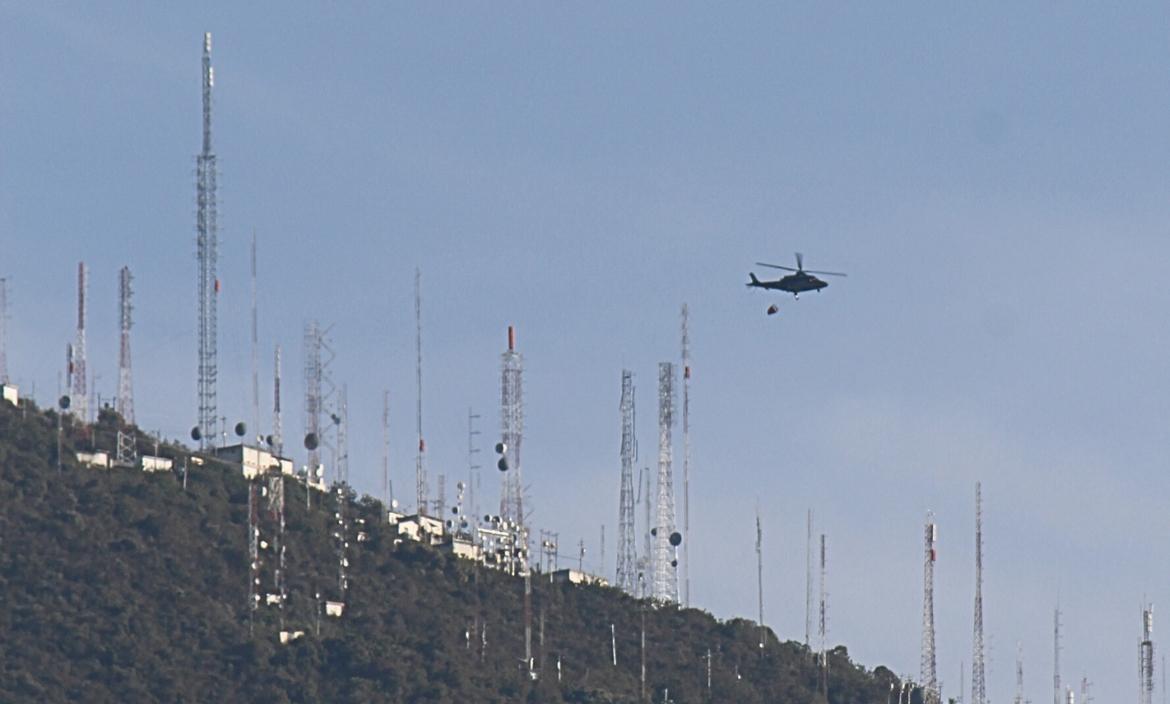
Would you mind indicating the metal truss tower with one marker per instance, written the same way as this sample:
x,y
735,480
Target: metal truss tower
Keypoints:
x,y
255,346
823,625
277,415
929,671
686,428
1019,698
1146,658
386,449
512,430
1057,693
341,430
808,582
207,245
79,391
420,471
627,552
760,574
125,401
978,674
665,565
3,330
320,397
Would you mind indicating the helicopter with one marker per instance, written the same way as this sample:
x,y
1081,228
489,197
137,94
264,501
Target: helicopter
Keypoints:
x,y
795,283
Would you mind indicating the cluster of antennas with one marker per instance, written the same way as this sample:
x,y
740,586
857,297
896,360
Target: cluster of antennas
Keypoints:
x,y
502,450
241,430
460,520
675,540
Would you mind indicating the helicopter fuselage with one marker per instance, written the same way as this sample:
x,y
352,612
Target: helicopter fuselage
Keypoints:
x,y
793,283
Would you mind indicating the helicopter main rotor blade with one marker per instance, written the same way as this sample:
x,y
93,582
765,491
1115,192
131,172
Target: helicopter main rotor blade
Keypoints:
x,y
776,266
825,273
799,261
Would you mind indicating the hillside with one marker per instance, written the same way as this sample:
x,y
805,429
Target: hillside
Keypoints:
x,y
122,586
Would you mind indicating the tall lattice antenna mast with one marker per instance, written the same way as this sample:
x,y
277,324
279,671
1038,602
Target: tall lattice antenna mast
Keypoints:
x,y
824,625
978,675
686,428
472,468
125,400
255,345
512,430
420,472
646,562
627,553
312,406
665,565
929,671
3,330
759,574
79,390
386,448
1019,699
277,419
1146,657
1057,693
808,583
207,243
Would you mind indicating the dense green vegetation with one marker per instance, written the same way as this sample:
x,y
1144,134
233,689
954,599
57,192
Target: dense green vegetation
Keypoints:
x,y
123,586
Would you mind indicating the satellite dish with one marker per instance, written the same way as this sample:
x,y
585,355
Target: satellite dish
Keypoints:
x,y
502,465
241,429
455,510
320,471
501,448
654,532
676,539
460,486
195,434
63,402
674,563
311,442
487,518
270,440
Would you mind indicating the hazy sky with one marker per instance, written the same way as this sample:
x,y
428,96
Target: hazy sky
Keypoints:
x,y
992,176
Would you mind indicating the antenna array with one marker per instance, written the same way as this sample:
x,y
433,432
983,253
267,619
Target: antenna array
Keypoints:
x,y
512,430
627,554
255,345
929,671
686,428
759,585
1146,657
277,416
1057,693
978,674
125,401
824,626
79,392
3,330
420,472
665,564
808,582
1019,699
207,243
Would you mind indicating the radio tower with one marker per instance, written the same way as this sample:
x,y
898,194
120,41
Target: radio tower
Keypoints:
x,y
1019,675
627,559
512,430
255,347
760,574
313,375
824,627
277,419
929,674
206,244
808,582
386,449
125,401
686,428
79,391
1146,657
1056,693
420,472
665,565
978,680
3,330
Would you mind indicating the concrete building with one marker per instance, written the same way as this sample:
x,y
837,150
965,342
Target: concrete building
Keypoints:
x,y
253,460
96,460
571,576
156,464
10,393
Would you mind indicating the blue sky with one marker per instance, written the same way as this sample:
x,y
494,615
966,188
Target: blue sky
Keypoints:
x,y
991,176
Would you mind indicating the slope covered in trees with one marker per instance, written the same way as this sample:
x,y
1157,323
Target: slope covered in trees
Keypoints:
x,y
124,586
